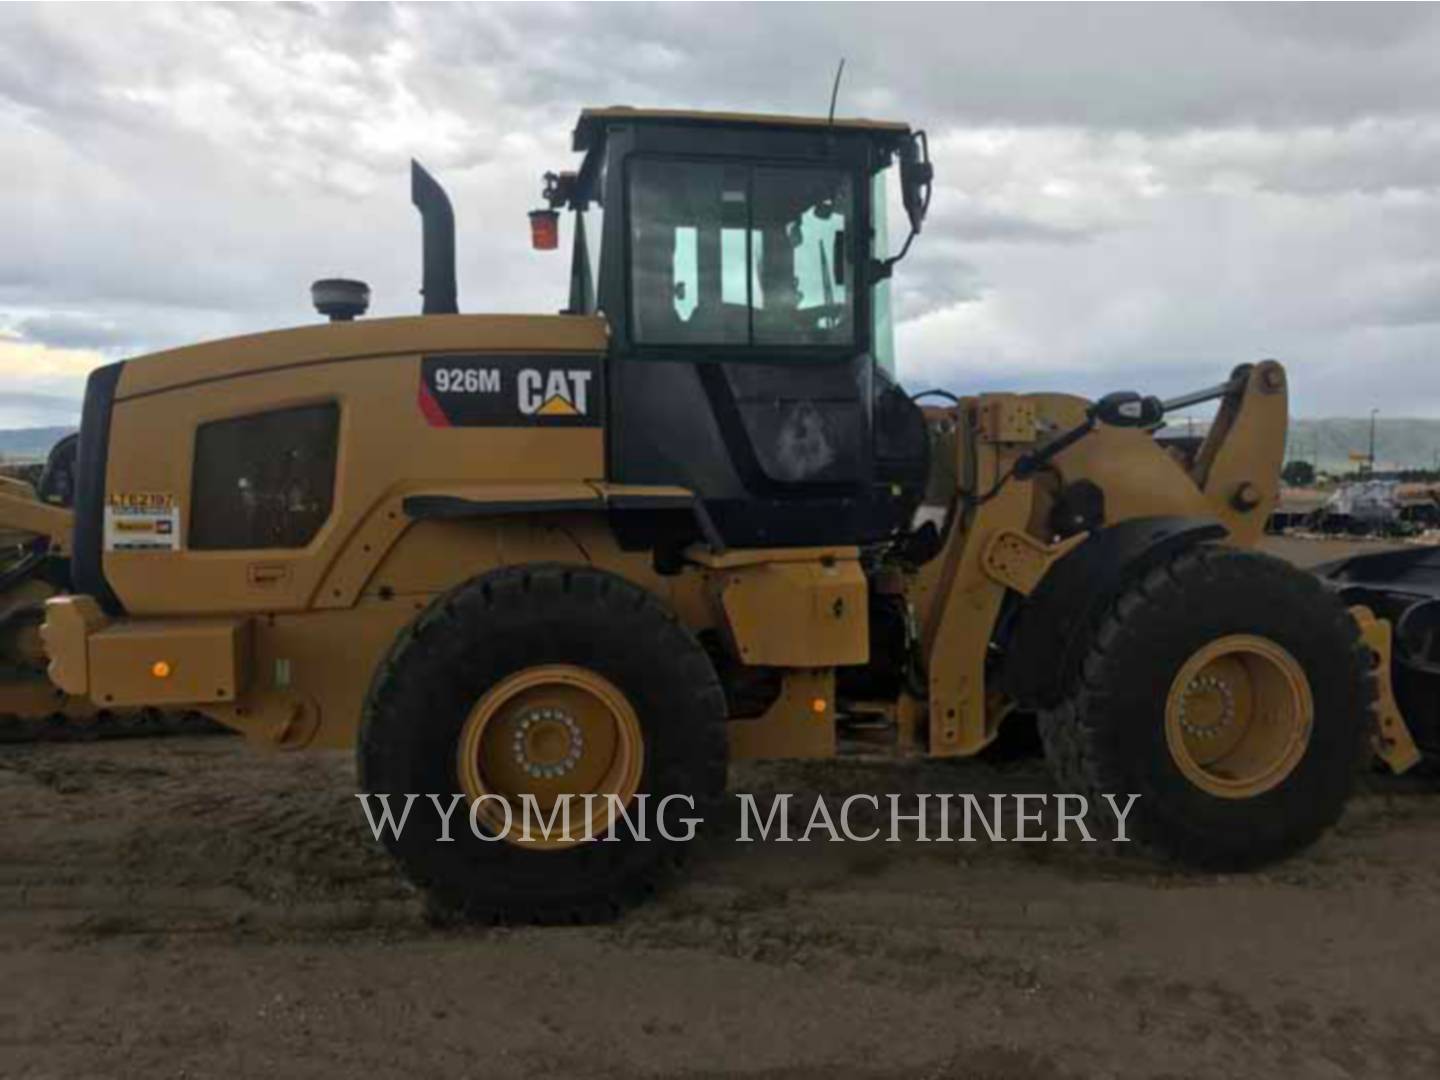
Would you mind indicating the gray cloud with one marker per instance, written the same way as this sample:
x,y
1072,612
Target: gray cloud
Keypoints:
x,y
1136,195
67,331
937,277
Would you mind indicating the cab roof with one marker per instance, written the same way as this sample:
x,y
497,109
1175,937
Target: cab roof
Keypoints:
x,y
591,125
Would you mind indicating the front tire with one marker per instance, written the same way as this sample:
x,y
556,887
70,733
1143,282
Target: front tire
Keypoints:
x,y
1232,693
543,680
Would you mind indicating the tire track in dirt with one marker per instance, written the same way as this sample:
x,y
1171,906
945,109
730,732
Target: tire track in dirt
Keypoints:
x,y
194,905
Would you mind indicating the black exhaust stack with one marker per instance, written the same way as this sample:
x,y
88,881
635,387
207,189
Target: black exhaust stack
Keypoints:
x,y
438,245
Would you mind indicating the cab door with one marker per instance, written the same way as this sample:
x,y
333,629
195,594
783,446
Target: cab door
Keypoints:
x,y
741,371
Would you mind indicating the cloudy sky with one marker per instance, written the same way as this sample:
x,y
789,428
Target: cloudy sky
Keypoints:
x,y
1136,196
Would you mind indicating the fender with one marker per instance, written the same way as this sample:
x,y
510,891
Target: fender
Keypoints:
x,y
382,528
1052,626
599,496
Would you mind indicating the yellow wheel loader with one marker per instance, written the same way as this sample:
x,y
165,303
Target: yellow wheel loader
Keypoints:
x,y
580,561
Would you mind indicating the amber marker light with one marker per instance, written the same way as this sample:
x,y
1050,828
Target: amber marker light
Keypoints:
x,y
544,230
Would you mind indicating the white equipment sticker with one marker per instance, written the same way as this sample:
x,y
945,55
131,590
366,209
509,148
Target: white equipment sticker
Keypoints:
x,y
144,521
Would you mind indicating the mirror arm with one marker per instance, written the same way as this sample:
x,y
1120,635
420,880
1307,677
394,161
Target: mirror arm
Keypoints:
x,y
880,269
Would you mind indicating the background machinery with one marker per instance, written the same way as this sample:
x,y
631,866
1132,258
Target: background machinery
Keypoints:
x,y
600,553
35,535
35,523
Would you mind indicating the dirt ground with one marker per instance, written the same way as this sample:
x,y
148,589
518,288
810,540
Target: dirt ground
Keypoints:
x,y
190,907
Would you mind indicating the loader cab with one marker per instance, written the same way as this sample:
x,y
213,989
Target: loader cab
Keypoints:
x,y
741,263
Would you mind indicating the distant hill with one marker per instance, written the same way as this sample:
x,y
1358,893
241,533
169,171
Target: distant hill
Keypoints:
x,y
1400,443
30,444
1327,443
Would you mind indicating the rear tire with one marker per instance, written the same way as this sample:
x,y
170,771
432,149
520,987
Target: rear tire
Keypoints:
x,y
541,622
1286,648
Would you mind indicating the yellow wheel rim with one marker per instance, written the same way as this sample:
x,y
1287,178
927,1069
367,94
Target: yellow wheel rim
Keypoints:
x,y
554,732
1238,716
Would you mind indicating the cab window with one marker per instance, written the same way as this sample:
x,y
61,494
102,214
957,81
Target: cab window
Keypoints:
x,y
725,254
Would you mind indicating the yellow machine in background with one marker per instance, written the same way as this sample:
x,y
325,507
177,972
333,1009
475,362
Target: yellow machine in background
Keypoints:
x,y
35,534
34,546
602,552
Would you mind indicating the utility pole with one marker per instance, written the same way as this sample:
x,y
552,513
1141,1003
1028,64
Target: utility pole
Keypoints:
x,y
1372,440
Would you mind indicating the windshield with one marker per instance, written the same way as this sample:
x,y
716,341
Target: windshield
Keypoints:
x,y
734,254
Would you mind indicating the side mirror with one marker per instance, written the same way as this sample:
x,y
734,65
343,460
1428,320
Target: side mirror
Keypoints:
x,y
916,177
1125,408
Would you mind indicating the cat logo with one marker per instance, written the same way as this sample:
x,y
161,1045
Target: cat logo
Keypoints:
x,y
497,390
558,392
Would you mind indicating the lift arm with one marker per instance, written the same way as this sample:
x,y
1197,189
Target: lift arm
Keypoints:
x,y
21,511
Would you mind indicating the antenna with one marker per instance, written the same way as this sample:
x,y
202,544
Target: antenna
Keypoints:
x,y
835,90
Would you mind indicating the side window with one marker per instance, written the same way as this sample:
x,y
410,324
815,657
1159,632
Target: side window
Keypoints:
x,y
263,481
595,225
882,323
